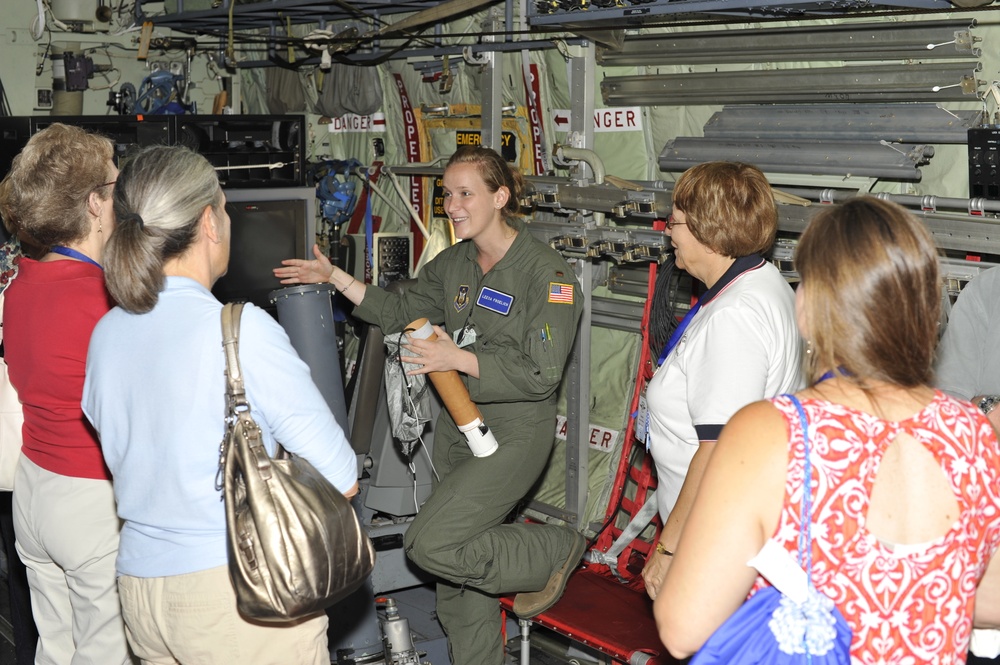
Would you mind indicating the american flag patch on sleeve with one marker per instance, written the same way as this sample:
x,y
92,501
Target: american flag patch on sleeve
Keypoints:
x,y
560,292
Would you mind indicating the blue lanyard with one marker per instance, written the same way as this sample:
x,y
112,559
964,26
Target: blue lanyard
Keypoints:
x,y
73,254
678,332
805,512
840,371
369,236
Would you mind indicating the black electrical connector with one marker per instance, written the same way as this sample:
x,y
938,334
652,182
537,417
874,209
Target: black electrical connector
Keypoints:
x,y
79,69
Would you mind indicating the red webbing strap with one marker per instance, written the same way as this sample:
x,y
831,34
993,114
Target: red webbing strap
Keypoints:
x,y
635,466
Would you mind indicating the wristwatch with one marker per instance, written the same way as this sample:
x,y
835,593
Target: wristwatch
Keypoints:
x,y
988,403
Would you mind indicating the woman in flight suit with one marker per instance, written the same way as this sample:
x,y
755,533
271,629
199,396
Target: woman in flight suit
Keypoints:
x,y
508,306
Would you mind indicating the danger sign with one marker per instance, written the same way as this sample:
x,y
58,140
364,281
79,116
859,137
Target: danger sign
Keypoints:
x,y
350,122
618,119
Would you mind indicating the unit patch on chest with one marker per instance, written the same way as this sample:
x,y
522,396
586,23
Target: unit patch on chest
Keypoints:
x,y
462,299
495,301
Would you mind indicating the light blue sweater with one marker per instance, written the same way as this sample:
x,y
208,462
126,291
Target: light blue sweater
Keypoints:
x,y
155,392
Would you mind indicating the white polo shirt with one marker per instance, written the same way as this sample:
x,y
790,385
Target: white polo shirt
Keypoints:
x,y
742,346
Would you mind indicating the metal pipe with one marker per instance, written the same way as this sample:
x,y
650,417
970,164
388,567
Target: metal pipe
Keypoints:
x,y
413,213
437,51
426,168
593,160
508,21
925,203
525,641
392,203
582,154
430,169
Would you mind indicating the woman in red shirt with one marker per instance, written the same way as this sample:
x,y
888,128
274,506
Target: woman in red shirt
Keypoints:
x,y
58,196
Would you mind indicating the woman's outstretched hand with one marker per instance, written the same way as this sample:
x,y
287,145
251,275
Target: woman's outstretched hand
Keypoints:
x,y
305,271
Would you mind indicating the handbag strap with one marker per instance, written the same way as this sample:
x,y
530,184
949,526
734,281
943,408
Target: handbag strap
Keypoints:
x,y
805,515
238,407
236,397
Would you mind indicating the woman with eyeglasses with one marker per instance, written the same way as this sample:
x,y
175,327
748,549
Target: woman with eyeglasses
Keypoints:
x,y
737,345
57,196
898,484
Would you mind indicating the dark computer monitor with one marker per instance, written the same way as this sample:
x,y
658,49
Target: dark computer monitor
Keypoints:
x,y
268,225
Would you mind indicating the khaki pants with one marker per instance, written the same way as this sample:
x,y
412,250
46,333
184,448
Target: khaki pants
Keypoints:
x,y
192,619
67,537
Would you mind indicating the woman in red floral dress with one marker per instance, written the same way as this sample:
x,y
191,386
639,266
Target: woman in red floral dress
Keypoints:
x,y
905,480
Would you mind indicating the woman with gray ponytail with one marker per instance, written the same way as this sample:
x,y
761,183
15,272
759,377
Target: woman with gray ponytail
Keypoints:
x,y
155,391
170,188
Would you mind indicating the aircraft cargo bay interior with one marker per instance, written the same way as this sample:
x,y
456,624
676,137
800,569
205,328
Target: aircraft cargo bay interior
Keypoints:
x,y
483,332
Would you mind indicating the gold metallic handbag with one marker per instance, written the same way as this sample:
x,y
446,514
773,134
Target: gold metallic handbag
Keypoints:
x,y
295,543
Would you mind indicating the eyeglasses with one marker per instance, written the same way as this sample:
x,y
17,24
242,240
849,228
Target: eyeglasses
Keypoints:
x,y
105,184
671,223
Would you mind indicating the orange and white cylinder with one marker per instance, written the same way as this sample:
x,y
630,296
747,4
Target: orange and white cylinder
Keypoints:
x,y
456,399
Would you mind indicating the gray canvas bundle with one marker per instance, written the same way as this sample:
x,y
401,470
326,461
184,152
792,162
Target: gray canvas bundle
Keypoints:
x,y
284,91
409,408
350,89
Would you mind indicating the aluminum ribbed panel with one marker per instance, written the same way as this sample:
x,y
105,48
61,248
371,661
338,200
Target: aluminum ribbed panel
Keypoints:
x,y
871,159
904,123
923,82
848,41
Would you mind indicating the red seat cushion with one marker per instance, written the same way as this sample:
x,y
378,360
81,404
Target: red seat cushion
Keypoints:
x,y
606,615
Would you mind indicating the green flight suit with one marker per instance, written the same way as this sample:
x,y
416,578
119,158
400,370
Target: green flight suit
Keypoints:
x,y
525,313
